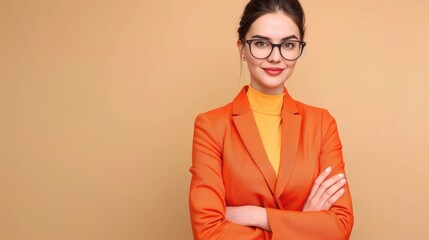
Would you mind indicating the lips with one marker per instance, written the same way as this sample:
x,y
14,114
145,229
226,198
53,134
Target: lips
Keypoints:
x,y
273,71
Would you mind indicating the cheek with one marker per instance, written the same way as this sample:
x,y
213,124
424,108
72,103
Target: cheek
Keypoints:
x,y
251,61
291,65
290,69
253,64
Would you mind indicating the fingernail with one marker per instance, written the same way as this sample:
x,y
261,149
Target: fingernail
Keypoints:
x,y
342,191
341,175
343,181
329,169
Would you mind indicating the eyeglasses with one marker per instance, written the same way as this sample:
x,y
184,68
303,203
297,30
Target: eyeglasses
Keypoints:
x,y
289,49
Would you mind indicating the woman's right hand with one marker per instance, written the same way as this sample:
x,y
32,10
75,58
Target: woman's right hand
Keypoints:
x,y
325,193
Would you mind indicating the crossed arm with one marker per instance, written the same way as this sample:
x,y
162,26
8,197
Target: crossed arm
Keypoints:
x,y
326,214
324,193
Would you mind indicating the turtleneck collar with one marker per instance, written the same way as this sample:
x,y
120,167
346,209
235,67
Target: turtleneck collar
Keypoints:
x,y
264,103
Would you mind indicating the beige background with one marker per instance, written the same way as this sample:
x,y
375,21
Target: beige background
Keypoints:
x,y
98,99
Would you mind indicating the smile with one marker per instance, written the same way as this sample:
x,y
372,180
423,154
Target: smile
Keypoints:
x,y
273,71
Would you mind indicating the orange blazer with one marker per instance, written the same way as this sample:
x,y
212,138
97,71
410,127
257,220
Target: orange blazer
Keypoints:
x,y
230,168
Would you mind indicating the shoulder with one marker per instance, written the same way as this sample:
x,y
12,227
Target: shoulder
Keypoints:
x,y
213,124
218,113
312,111
215,118
315,117
318,122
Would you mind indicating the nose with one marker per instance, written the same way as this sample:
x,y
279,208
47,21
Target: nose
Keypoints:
x,y
275,55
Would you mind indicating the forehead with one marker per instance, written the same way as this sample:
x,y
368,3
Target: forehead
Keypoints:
x,y
274,26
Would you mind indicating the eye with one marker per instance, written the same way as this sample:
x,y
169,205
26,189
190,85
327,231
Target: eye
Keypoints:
x,y
289,45
261,43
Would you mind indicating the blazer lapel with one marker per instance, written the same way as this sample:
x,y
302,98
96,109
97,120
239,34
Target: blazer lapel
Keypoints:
x,y
291,127
248,130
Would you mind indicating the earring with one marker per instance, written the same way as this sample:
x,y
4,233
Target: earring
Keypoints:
x,y
244,58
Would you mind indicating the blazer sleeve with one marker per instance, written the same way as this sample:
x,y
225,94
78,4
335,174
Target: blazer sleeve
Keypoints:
x,y
207,191
334,224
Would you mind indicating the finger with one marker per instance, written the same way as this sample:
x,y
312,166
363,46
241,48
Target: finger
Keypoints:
x,y
319,180
333,199
331,191
325,185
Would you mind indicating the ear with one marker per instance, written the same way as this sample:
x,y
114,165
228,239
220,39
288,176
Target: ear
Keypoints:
x,y
240,47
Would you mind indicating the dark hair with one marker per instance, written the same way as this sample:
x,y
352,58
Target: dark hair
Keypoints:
x,y
256,8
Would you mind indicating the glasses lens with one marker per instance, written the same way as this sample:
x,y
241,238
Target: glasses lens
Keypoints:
x,y
260,48
291,49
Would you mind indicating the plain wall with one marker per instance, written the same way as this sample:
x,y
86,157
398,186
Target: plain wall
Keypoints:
x,y
98,100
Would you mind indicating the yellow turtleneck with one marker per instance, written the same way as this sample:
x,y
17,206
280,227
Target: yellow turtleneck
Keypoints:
x,y
266,111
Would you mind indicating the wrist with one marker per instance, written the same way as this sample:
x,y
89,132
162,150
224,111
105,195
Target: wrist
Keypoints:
x,y
260,218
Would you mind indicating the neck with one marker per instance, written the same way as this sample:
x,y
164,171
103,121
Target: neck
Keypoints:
x,y
265,103
267,90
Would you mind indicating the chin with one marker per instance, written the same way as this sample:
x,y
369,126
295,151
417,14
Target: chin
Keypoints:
x,y
273,83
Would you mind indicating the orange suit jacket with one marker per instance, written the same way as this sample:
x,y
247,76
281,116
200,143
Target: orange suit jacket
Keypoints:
x,y
230,168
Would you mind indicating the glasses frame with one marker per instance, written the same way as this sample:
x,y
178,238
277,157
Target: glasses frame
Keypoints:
x,y
302,43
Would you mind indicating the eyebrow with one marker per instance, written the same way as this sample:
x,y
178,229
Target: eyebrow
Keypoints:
x,y
283,39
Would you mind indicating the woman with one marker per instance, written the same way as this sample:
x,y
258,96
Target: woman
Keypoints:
x,y
266,166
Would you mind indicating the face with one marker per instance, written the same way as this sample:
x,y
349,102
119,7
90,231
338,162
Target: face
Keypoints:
x,y
268,75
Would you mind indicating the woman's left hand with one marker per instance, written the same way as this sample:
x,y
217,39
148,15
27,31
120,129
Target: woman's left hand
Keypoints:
x,y
250,216
325,192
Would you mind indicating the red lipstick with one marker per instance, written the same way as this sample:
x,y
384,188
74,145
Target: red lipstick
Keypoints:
x,y
273,71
